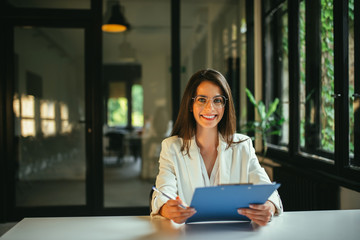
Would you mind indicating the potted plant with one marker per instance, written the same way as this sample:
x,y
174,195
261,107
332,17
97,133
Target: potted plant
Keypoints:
x,y
268,124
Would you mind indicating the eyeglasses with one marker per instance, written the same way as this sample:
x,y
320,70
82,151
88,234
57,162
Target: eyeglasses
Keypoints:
x,y
217,101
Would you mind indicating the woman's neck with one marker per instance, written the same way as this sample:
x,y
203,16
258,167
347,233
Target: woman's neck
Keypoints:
x,y
207,138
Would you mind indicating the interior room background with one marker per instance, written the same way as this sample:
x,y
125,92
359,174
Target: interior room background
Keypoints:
x,y
84,111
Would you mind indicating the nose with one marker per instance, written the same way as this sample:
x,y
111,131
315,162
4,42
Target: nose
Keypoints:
x,y
209,104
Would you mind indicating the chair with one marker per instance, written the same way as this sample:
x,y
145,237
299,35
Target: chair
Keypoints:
x,y
116,145
150,198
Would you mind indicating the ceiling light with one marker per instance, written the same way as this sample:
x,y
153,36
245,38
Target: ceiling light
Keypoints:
x,y
117,21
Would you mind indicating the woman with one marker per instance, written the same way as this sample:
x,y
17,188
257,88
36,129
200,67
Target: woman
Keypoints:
x,y
204,150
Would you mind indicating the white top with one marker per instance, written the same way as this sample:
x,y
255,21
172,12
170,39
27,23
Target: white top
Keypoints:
x,y
180,173
214,176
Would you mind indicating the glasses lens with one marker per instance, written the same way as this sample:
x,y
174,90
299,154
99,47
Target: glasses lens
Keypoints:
x,y
200,100
218,102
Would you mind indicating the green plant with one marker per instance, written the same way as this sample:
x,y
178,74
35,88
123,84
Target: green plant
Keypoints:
x,y
268,124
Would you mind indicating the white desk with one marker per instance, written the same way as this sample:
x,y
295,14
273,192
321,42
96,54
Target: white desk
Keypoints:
x,y
327,225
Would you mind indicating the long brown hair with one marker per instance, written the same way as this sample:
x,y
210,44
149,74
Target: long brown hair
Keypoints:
x,y
185,125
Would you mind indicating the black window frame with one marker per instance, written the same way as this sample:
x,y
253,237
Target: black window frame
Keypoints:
x,y
333,167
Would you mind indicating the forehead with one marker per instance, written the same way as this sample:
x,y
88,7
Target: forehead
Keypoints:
x,y
209,89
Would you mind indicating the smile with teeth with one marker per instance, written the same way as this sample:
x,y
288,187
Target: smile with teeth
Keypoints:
x,y
209,117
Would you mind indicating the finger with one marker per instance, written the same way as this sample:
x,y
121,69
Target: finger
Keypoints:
x,y
172,203
258,206
260,222
253,217
178,211
182,218
247,211
179,200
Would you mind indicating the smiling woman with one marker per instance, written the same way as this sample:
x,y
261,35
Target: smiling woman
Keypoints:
x,y
204,150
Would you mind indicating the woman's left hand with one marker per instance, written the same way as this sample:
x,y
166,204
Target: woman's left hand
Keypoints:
x,y
259,213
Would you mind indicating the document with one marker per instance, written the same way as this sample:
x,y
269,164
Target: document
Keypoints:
x,y
220,203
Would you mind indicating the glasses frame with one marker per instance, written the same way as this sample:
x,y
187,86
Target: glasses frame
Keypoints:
x,y
212,100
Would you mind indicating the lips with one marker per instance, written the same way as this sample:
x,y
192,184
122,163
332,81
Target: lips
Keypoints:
x,y
209,117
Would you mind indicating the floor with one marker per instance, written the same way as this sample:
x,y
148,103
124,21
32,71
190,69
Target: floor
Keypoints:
x,y
122,187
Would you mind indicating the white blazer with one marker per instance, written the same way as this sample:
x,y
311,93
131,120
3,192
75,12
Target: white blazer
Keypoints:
x,y
179,173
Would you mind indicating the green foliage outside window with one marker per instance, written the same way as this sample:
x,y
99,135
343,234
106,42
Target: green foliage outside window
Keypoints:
x,y
117,112
137,115
327,76
327,63
118,109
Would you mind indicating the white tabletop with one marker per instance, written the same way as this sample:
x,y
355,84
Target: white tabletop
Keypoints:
x,y
328,225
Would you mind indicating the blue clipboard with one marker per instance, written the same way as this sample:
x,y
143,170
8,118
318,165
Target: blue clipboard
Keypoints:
x,y
220,203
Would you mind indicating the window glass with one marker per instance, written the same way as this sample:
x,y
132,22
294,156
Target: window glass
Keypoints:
x,y
284,66
302,35
117,105
137,115
327,116
213,35
49,111
354,101
63,4
137,76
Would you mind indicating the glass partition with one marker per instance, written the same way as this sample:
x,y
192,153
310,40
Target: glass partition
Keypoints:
x,y
137,80
49,113
213,35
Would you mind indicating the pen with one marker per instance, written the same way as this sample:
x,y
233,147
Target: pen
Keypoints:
x,y
165,195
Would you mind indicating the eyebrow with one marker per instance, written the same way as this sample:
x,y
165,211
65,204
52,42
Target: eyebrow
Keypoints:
x,y
219,95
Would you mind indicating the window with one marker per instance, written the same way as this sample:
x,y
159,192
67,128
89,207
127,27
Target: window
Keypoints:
x,y
137,114
47,114
117,105
354,88
276,61
325,94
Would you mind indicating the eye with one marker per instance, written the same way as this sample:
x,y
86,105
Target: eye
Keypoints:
x,y
218,100
201,99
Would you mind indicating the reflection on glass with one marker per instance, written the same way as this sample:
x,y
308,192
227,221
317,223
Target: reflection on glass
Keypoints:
x,y
28,106
66,126
48,128
285,78
47,109
16,106
50,163
213,35
64,111
27,127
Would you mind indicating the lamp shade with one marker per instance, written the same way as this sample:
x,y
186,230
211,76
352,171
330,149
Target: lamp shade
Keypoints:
x,y
116,21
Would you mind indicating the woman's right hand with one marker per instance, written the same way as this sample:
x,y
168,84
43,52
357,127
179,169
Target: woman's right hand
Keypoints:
x,y
173,211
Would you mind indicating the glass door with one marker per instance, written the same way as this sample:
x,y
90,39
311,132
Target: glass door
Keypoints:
x,y
51,125
49,116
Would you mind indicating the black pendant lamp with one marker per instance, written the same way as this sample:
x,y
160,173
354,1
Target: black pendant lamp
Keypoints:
x,y
116,22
